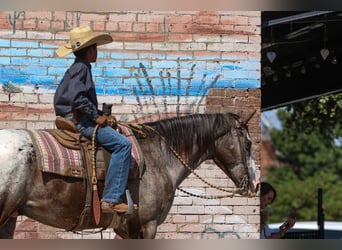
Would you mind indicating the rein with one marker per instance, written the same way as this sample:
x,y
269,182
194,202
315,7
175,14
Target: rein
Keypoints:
x,y
232,191
96,199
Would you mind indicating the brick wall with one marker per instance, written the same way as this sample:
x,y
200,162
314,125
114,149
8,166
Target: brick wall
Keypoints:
x,y
160,64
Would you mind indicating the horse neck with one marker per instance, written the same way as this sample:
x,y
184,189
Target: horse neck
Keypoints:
x,y
190,145
182,169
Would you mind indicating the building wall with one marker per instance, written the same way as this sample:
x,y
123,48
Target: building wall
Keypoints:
x,y
161,64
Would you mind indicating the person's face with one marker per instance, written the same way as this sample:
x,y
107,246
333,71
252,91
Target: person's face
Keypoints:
x,y
93,53
266,199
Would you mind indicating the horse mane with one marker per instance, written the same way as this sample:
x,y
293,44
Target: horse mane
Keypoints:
x,y
196,132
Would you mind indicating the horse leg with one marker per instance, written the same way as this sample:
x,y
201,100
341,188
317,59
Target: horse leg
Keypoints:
x,y
7,229
149,229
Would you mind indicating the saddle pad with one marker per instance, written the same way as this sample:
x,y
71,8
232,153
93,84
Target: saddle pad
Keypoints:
x,y
137,155
53,157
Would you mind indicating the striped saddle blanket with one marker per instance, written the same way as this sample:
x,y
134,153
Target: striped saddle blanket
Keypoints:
x,y
53,157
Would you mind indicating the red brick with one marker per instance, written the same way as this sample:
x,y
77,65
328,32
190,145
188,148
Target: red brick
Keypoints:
x,y
125,26
40,15
4,107
122,17
111,26
43,25
4,14
179,19
208,13
19,235
144,37
58,15
93,17
84,22
32,235
152,27
4,22
207,19
236,20
179,37
180,28
47,235
245,29
207,54
46,228
139,27
25,116
27,226
150,18
99,26
57,25
5,116
214,101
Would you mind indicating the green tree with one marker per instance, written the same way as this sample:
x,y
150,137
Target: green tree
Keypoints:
x,y
310,153
323,114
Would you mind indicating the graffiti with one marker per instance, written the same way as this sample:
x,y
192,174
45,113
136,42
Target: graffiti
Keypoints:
x,y
145,96
10,89
221,235
13,21
69,21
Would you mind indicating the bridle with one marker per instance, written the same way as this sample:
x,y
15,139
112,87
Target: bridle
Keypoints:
x,y
232,191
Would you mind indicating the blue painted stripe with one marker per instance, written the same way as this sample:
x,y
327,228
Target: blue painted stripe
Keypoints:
x,y
109,64
121,73
24,44
5,60
24,61
5,43
55,62
15,79
247,83
33,70
9,70
42,80
12,52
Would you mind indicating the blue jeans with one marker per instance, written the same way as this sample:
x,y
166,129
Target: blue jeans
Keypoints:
x,y
120,148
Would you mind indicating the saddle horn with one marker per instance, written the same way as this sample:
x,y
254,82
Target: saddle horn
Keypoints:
x,y
107,109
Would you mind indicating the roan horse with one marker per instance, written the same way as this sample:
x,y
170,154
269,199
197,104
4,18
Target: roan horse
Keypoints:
x,y
169,145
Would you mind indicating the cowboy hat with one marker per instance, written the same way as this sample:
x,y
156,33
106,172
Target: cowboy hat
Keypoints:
x,y
80,38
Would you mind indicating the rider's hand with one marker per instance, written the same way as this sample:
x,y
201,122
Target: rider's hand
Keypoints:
x,y
111,122
102,120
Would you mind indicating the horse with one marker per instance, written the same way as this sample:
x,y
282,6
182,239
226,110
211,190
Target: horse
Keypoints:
x,y
172,149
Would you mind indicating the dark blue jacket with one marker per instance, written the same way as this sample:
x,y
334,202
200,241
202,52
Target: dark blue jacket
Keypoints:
x,y
76,92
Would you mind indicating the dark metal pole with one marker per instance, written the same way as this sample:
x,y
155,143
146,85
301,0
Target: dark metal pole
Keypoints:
x,y
320,214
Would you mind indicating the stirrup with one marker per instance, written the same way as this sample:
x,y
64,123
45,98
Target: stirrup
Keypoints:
x,y
129,202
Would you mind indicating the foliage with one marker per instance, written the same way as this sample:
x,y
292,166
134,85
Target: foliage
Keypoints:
x,y
322,114
310,152
306,154
300,196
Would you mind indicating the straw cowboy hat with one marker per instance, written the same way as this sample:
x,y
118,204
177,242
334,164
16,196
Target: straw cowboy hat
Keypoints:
x,y
80,38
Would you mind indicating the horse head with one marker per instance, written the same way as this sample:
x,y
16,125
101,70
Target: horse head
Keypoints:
x,y
234,155
223,138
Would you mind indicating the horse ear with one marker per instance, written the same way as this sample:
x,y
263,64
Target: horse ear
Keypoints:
x,y
248,117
